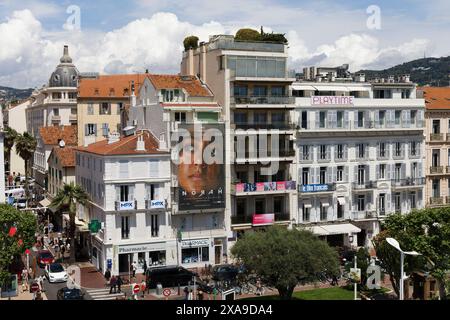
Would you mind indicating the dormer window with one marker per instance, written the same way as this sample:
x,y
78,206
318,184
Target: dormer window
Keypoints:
x,y
111,92
171,95
96,91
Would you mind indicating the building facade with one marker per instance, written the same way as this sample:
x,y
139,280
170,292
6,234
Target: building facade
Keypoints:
x,y
437,139
61,168
360,153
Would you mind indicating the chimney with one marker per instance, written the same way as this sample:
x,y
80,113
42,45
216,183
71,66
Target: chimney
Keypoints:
x,y
113,137
133,96
202,62
190,63
306,74
361,77
140,143
407,78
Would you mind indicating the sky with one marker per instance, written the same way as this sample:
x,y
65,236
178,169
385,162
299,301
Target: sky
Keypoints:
x,y
112,36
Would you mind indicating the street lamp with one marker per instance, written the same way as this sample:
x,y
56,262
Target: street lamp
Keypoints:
x,y
396,245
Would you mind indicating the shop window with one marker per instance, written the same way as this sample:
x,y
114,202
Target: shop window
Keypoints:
x,y
193,255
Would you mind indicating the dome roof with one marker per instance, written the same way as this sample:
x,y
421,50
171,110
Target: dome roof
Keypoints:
x,y
66,74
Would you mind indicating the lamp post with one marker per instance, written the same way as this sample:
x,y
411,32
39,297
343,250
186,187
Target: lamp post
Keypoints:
x,y
396,245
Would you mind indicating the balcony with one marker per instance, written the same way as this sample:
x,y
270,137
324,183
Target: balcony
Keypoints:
x,y
447,199
156,205
354,126
126,205
55,118
248,219
437,170
408,182
72,117
447,169
435,201
316,188
437,137
364,185
259,154
263,187
266,126
216,230
366,214
262,100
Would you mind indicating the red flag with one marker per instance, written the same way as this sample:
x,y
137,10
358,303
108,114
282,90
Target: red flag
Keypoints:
x,y
20,242
12,231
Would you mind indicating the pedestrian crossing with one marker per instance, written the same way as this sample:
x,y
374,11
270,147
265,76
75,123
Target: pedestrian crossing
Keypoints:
x,y
102,294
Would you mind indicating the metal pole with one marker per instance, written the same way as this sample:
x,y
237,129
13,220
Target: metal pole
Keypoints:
x,y
195,294
402,257
356,285
28,262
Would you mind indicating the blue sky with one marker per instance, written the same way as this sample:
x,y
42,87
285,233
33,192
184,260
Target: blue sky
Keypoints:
x,y
126,36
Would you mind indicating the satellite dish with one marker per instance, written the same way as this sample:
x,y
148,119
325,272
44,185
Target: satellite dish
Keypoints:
x,y
62,144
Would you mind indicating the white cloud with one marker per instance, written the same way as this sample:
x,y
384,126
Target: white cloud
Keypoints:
x,y
28,53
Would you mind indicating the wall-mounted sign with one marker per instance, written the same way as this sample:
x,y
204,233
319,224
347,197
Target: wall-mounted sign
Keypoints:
x,y
332,100
141,248
315,187
195,243
126,205
157,204
263,219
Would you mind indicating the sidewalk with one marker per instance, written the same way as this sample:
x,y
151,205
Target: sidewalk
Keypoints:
x,y
27,295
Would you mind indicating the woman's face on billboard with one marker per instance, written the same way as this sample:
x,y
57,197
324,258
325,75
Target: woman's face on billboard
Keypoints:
x,y
193,173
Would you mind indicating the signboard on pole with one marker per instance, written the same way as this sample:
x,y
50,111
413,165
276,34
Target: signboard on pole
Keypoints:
x,y
136,288
355,275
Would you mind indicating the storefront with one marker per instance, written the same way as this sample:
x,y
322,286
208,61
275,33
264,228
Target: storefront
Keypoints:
x,y
149,254
201,252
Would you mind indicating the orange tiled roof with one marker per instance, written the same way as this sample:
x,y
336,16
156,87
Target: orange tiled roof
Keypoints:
x,y
191,84
125,146
110,86
51,135
66,156
436,98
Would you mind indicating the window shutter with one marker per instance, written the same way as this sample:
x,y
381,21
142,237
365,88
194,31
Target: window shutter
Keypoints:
x,y
333,175
346,119
95,128
420,173
86,130
130,193
327,149
317,119
154,168
388,201
355,173
367,173
346,174
377,171
330,118
403,173
329,175
117,193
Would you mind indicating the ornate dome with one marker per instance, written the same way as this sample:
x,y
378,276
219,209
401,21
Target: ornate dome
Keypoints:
x,y
66,74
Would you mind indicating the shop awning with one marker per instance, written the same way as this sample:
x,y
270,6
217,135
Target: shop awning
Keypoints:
x,y
81,225
358,88
303,87
45,202
343,228
341,200
318,230
331,88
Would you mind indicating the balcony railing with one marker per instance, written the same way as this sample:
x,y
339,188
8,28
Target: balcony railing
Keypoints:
x,y
437,137
265,187
364,185
248,219
447,169
314,188
407,182
353,125
266,126
262,100
268,154
447,199
366,214
436,170
436,200
126,205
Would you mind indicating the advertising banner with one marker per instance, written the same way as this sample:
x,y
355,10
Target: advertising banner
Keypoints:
x,y
157,204
263,219
260,186
200,166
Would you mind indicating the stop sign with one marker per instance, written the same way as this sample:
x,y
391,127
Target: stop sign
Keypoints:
x,y
35,287
136,288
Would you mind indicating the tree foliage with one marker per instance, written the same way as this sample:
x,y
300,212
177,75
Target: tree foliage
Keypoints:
x,y
25,147
9,140
246,34
426,231
283,258
65,201
190,42
12,246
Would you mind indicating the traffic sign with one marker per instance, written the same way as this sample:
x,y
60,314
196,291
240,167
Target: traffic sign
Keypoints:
x,y
35,287
136,288
166,292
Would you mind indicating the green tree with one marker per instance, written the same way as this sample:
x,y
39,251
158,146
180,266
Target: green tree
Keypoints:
x,y
190,42
247,34
426,231
65,201
10,246
10,137
283,258
25,147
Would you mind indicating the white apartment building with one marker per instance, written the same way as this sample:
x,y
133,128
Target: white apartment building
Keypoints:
x,y
163,103
54,104
128,180
250,80
360,153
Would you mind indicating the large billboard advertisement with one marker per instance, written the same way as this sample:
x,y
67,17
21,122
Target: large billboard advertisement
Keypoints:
x,y
200,164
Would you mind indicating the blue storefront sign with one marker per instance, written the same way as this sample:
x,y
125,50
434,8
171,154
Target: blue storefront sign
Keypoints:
x,y
109,263
315,187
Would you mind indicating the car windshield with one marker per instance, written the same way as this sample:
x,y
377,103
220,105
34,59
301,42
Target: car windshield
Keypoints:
x,y
56,268
46,255
70,294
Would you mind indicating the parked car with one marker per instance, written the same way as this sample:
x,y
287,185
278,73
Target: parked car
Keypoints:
x,y
69,294
226,272
55,273
45,257
169,276
21,203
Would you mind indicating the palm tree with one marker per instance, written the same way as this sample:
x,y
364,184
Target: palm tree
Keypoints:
x,y
25,147
9,138
66,199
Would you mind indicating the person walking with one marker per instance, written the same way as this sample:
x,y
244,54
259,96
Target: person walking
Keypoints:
x,y
186,293
119,284
63,250
24,279
134,266
113,284
107,276
143,287
191,295
200,295
145,267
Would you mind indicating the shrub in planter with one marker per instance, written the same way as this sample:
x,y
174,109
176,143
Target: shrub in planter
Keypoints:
x,y
247,34
190,42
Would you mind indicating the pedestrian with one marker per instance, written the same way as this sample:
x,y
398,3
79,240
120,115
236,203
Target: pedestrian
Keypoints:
x,y
31,273
258,288
134,268
186,293
24,279
200,295
145,267
63,250
119,284
107,276
113,284
143,286
41,283
191,295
